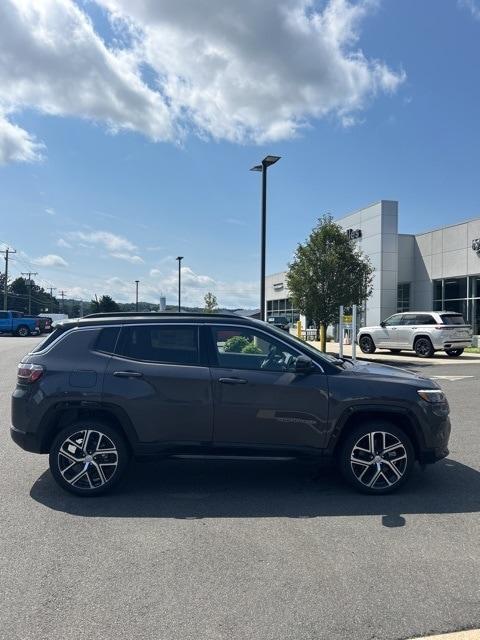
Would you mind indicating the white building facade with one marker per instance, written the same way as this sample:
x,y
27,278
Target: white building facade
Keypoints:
x,y
435,270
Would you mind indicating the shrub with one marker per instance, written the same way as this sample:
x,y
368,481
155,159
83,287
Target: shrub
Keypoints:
x,y
251,348
236,344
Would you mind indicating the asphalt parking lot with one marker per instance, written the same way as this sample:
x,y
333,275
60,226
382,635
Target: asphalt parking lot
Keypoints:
x,y
265,550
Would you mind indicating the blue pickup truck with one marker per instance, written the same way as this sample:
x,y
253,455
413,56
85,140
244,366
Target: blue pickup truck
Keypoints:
x,y
15,323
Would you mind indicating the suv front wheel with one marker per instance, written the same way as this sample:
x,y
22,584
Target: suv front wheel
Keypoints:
x,y
88,457
377,457
366,344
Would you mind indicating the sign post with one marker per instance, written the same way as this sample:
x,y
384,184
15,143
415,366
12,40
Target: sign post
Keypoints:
x,y
354,332
340,333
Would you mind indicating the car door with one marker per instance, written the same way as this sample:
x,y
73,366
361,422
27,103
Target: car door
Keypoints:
x,y
259,400
406,330
387,335
5,322
158,378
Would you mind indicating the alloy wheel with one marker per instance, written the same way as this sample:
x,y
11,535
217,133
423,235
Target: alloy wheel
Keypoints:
x,y
378,460
87,459
366,344
423,348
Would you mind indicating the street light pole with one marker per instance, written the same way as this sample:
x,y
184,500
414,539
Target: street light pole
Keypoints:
x,y
266,162
136,294
179,258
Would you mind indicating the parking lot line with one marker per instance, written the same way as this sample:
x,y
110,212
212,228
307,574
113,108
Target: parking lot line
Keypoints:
x,y
473,634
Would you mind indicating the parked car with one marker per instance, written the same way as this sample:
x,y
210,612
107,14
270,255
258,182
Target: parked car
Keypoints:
x,y
45,323
16,323
103,388
54,317
421,331
279,321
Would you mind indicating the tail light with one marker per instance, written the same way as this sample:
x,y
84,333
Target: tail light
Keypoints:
x,y
29,373
37,323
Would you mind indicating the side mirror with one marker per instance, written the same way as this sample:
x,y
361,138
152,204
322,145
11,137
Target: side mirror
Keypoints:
x,y
382,323
304,364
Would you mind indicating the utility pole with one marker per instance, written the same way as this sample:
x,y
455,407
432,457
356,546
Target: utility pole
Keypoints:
x,y
62,293
6,251
180,258
136,295
30,274
51,289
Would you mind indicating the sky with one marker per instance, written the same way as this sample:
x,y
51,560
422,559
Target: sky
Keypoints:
x,y
127,131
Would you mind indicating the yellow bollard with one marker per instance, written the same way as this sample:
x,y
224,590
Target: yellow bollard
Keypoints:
x,y
322,337
299,328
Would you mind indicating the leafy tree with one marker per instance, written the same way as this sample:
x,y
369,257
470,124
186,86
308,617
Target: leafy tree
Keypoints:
x,y
236,344
104,305
210,302
251,347
327,271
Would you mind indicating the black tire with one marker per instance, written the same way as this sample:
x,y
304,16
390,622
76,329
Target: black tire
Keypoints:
x,y
395,351
102,474
424,348
352,471
366,344
454,353
22,331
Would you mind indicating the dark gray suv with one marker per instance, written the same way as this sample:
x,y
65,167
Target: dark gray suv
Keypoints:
x,y
108,387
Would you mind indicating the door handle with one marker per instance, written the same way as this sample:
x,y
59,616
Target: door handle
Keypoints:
x,y
233,380
128,374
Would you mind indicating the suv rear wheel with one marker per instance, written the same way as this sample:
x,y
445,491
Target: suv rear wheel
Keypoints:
x,y
367,345
377,457
424,348
88,457
454,353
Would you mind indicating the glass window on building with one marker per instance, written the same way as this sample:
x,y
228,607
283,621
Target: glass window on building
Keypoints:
x,y
461,295
455,288
403,297
283,307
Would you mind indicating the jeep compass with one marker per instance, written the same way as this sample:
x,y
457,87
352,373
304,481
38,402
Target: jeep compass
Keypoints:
x,y
107,387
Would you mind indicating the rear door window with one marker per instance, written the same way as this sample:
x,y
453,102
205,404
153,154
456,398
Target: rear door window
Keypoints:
x,y
425,318
165,344
107,339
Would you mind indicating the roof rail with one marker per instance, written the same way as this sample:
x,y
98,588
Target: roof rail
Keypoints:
x,y
150,314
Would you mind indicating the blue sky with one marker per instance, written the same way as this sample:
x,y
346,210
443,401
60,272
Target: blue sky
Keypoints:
x,y
97,191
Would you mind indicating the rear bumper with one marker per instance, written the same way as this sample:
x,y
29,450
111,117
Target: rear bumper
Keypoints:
x,y
456,344
27,441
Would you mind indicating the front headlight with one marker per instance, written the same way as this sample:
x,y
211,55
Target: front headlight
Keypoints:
x,y
432,395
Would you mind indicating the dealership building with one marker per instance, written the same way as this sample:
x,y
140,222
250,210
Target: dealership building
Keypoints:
x,y
434,270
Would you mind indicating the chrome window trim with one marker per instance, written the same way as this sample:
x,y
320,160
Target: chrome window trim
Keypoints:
x,y
142,324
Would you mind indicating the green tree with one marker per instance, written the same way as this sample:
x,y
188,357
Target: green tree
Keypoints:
x,y
210,302
104,305
327,271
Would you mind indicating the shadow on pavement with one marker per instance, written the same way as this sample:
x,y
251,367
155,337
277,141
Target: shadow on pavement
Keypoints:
x,y
195,489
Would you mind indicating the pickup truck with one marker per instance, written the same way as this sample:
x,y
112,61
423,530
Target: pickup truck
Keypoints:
x,y
14,322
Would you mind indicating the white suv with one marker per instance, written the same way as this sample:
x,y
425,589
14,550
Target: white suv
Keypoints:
x,y
423,331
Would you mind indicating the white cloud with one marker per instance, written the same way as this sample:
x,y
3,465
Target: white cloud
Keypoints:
x,y
50,211
472,5
50,260
128,258
240,71
256,70
115,246
63,243
106,239
16,144
54,61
